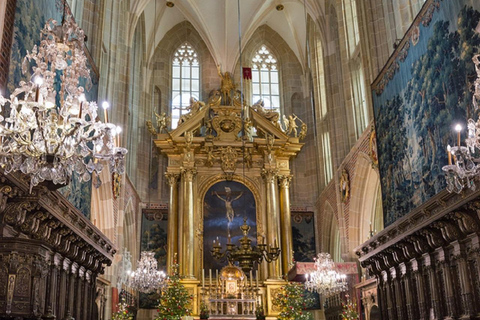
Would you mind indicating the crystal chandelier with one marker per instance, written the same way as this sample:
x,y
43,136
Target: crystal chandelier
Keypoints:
x,y
47,128
461,172
325,280
147,278
245,254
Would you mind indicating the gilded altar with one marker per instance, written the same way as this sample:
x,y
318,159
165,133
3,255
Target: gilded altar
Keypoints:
x,y
232,161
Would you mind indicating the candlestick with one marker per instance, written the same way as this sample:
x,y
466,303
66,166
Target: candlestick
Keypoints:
x,y
210,277
449,151
105,106
458,128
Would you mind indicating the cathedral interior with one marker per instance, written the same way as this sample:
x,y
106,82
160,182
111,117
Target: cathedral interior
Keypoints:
x,y
234,146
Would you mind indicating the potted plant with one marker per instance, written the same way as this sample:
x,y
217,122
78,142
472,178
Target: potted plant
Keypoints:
x,y
204,311
259,312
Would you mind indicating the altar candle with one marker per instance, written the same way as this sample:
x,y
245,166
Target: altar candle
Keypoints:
x,y
449,151
256,277
210,276
216,277
251,279
203,278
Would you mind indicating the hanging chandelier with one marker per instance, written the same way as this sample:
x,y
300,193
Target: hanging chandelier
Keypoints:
x,y
245,254
462,171
147,278
47,128
325,280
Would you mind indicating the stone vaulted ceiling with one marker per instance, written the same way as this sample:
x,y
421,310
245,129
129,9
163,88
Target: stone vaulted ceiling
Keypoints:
x,y
217,23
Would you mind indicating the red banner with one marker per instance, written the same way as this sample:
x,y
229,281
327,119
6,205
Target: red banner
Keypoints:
x,y
247,73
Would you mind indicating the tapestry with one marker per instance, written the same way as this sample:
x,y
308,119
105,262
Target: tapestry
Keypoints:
x,y
26,35
303,236
226,204
420,95
154,238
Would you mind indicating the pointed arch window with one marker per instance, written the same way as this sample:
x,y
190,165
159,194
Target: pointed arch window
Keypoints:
x,y
185,80
265,79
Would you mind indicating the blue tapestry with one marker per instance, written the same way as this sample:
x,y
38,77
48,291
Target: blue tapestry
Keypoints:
x,y
226,204
423,91
26,35
154,238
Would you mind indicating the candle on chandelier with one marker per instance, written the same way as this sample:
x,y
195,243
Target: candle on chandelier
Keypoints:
x,y
117,136
38,82
81,98
458,128
449,151
105,106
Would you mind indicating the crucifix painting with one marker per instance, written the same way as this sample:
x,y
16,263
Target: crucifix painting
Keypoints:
x,y
226,203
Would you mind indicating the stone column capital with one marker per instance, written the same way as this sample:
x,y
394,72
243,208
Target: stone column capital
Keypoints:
x,y
269,175
189,173
171,178
284,181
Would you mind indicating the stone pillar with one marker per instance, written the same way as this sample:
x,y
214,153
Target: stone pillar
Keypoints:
x,y
52,284
272,223
188,175
465,287
172,235
71,288
62,294
410,299
286,223
420,290
78,296
448,289
434,292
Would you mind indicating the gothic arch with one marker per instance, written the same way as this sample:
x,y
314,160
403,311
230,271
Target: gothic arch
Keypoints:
x,y
364,186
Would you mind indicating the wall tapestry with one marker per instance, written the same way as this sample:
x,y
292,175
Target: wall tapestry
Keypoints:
x,y
303,235
422,92
154,238
226,204
26,35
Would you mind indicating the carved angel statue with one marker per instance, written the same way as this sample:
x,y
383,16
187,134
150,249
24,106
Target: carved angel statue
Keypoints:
x,y
292,125
272,116
303,131
215,99
227,85
163,121
193,108
344,185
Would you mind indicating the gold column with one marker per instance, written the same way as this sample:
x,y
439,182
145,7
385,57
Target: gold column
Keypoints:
x,y
286,222
172,235
188,174
272,223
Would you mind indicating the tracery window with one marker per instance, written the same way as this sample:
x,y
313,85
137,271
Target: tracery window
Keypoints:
x,y
265,79
185,81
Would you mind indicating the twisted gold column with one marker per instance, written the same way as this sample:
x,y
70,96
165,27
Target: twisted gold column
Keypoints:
x,y
285,222
272,223
188,174
172,243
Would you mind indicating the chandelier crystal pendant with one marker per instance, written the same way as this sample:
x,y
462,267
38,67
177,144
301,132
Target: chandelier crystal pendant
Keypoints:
x,y
147,278
47,128
245,254
462,171
325,280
